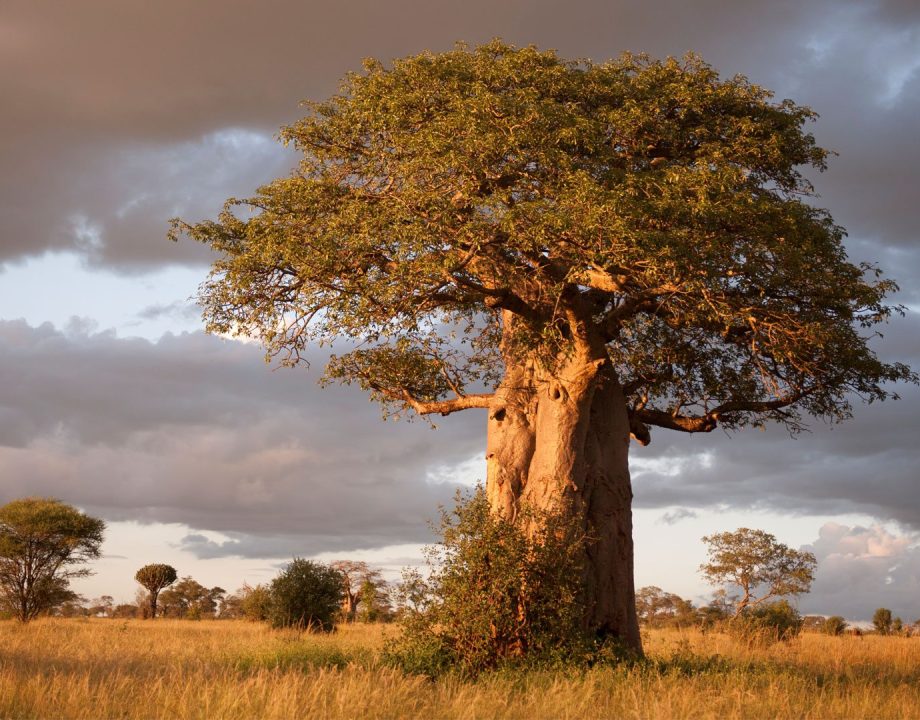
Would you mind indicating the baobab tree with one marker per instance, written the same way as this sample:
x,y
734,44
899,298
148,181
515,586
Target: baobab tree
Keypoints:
x,y
355,575
585,251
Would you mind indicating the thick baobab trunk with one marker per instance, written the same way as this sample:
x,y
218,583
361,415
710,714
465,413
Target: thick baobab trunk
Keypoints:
x,y
349,605
562,441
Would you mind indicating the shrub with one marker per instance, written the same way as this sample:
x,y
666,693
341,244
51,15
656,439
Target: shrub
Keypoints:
x,y
773,622
835,625
496,595
882,621
256,603
306,595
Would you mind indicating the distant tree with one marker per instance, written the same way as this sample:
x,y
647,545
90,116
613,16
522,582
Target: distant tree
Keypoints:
x,y
354,575
374,601
657,608
102,606
256,602
585,250
155,578
897,626
813,623
835,625
231,607
76,607
142,601
776,620
754,562
190,599
710,615
127,610
42,541
251,603
882,621
306,595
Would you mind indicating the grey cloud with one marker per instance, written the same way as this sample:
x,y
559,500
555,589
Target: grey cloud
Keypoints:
x,y
862,568
673,517
179,309
196,430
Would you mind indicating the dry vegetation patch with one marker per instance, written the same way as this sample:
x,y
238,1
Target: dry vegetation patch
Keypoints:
x,y
185,669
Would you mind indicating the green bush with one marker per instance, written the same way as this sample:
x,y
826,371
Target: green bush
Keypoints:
x,y
496,595
882,621
773,622
834,625
256,603
306,595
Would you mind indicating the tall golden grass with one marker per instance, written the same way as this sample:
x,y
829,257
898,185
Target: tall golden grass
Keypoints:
x,y
98,669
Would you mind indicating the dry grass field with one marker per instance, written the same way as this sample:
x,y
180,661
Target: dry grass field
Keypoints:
x,y
98,669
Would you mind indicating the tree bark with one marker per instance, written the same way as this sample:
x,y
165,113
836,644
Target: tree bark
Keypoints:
x,y
561,440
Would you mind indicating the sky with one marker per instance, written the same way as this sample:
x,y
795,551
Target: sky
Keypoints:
x,y
121,114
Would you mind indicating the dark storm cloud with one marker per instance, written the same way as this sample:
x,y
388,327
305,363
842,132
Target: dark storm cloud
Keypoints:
x,y
119,115
192,429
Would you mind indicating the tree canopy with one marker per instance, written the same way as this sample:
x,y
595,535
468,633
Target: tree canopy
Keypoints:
x,y
457,207
154,578
306,595
42,541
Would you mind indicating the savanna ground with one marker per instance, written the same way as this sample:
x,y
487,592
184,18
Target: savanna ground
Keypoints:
x,y
234,669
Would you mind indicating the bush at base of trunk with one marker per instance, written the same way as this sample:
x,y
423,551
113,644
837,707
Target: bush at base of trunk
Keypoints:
x,y
305,595
496,595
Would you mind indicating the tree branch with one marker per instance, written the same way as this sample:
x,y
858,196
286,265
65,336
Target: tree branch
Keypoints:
x,y
710,420
451,405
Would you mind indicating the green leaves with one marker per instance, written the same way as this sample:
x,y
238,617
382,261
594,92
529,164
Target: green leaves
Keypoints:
x,y
495,594
648,208
40,540
761,567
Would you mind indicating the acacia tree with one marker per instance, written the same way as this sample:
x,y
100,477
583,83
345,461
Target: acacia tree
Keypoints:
x,y
154,578
584,250
655,607
42,541
761,567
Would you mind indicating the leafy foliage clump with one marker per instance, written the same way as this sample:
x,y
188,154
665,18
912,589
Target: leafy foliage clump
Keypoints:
x,y
499,594
768,623
256,603
834,625
881,619
306,595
